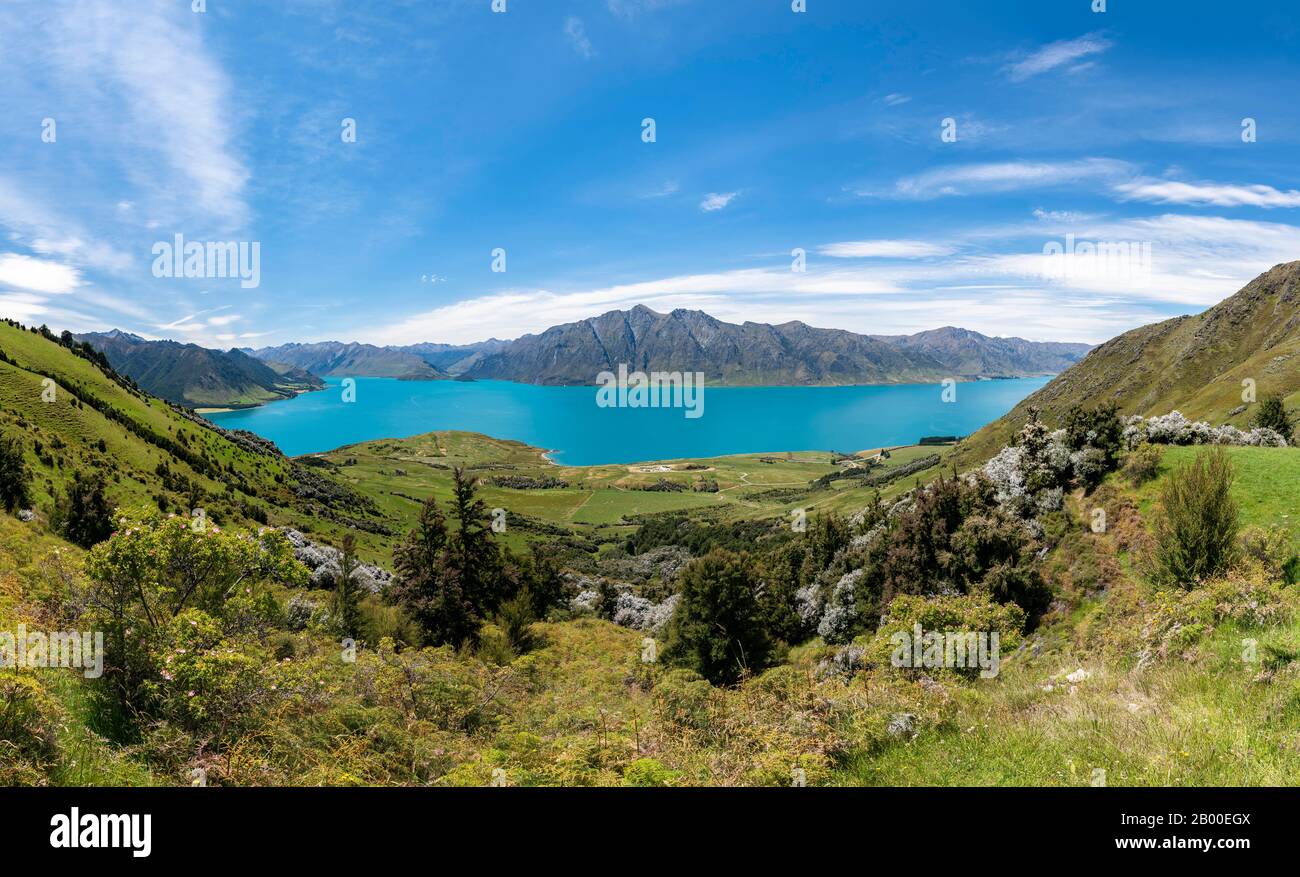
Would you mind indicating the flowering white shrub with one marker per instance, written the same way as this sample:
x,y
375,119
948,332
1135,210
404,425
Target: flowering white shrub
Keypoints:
x,y
639,613
1088,464
840,617
1175,429
323,562
585,601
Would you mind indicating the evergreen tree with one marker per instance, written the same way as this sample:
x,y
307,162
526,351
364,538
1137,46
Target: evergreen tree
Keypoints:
x,y
347,595
450,581
717,629
475,553
543,579
15,479
428,585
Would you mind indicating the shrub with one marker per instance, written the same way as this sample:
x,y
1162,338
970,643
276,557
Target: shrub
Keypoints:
x,y
83,514
1143,464
946,615
1098,429
516,618
1272,414
716,629
1196,525
15,479
1270,549
28,718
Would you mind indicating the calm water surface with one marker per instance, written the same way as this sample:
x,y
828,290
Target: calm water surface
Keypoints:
x,y
736,420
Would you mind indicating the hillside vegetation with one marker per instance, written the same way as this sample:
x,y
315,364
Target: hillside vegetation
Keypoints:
x,y
732,620
77,416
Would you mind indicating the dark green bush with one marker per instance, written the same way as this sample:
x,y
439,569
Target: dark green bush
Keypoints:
x,y
717,629
1197,522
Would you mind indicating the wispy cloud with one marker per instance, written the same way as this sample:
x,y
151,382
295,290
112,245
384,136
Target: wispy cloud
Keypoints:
x,y
577,34
970,179
1057,54
670,187
152,94
1196,261
1215,194
894,100
633,8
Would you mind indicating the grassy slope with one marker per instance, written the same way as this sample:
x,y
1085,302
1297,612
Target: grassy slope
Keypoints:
x,y
130,460
1199,719
1193,364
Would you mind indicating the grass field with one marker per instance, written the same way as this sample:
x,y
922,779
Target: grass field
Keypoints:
x,y
601,500
1267,486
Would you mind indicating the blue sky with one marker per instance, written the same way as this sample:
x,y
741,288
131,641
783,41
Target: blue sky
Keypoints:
x,y
522,130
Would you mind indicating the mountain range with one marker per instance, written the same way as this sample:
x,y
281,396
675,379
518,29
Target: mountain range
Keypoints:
x,y
336,359
197,377
746,354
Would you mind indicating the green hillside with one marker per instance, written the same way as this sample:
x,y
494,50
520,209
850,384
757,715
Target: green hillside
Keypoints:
x,y
197,377
149,451
242,673
1195,365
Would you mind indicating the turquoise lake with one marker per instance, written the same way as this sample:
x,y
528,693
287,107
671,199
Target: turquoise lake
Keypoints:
x,y
567,420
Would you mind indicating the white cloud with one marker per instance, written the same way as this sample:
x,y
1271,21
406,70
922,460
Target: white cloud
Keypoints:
x,y
1057,54
717,200
577,34
37,275
969,179
1001,290
894,100
1216,194
884,249
1060,215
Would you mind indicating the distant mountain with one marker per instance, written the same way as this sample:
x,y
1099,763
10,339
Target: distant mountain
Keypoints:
x,y
454,359
969,353
749,354
339,359
198,377
757,353
1192,364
